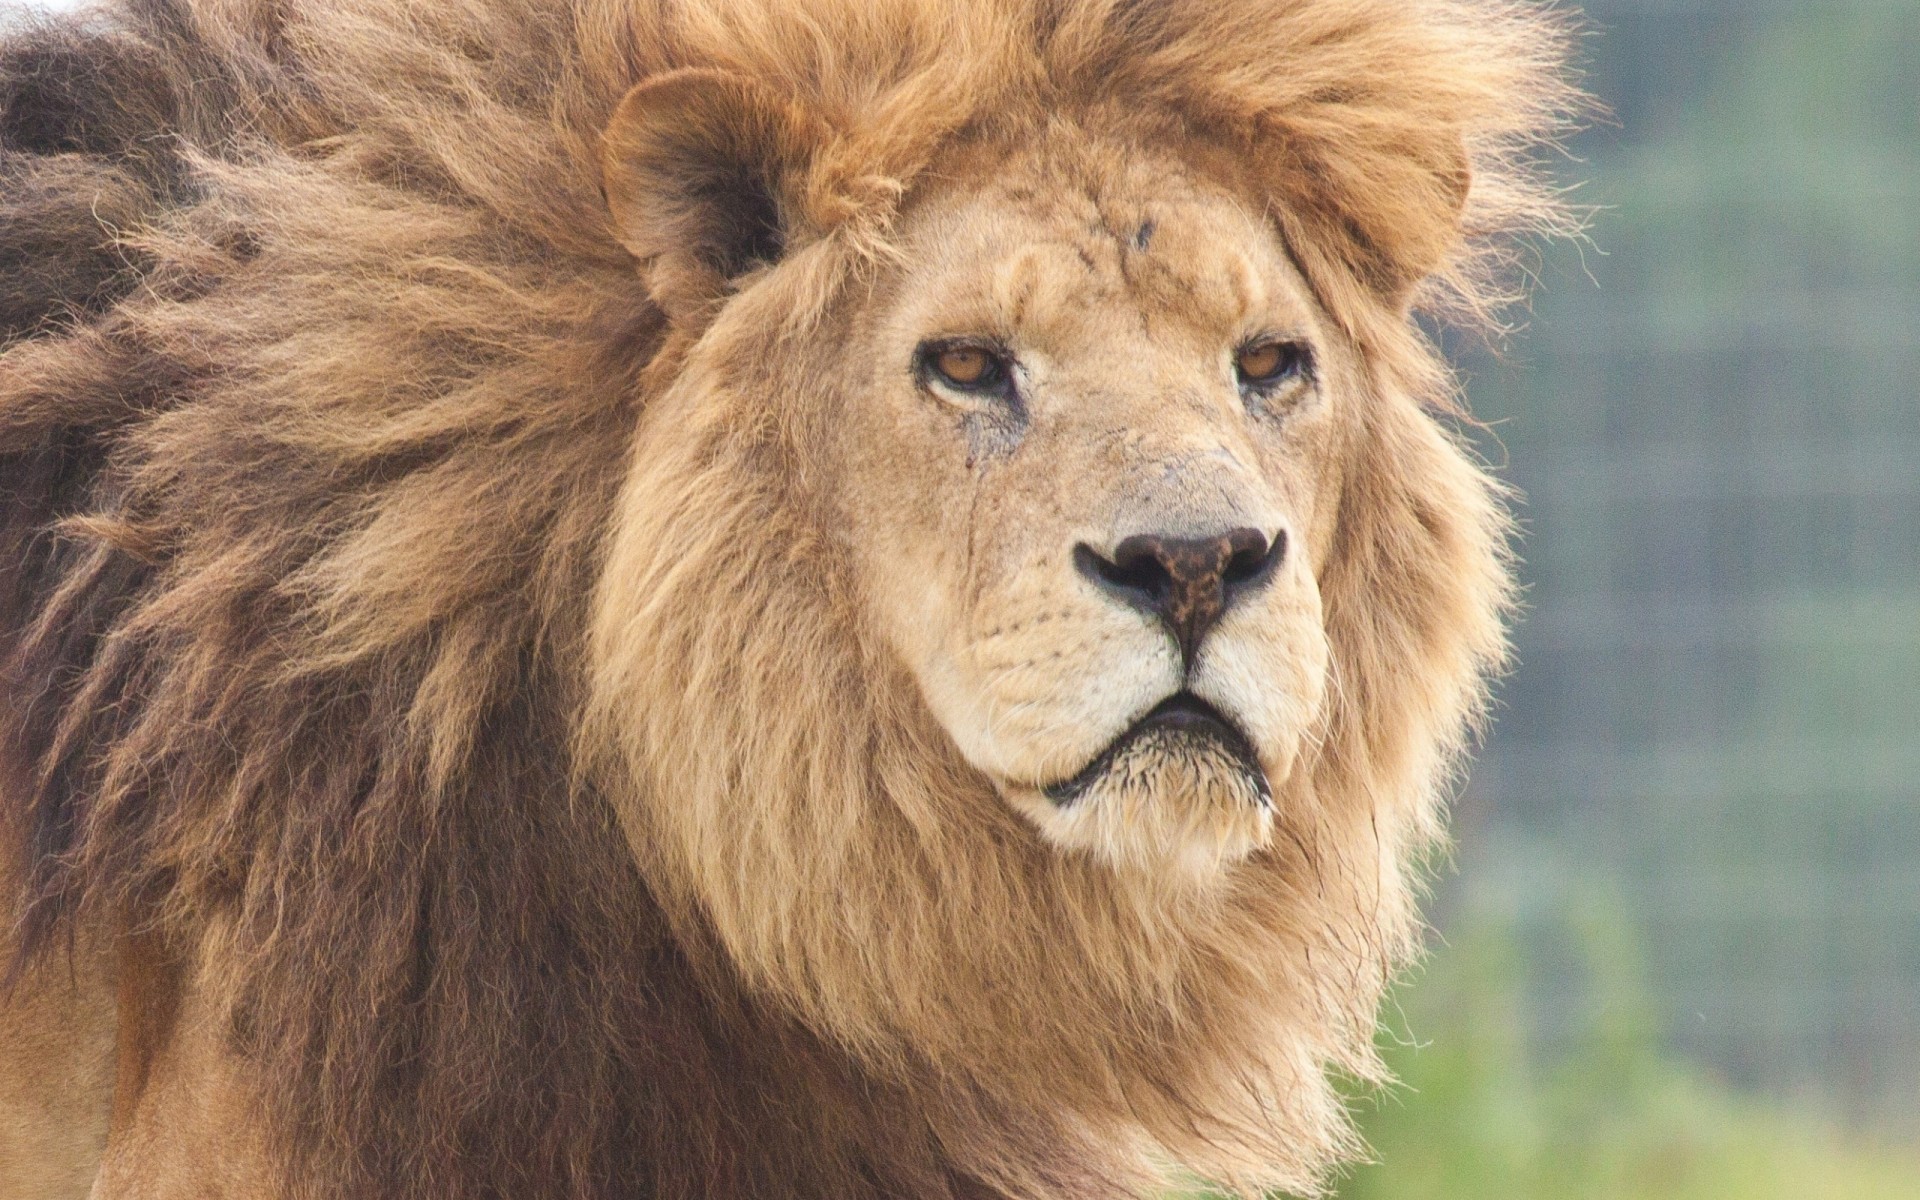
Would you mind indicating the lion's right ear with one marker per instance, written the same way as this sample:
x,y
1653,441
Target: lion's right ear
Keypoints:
x,y
698,166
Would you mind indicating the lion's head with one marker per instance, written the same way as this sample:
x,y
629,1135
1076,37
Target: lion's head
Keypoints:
x,y
1041,611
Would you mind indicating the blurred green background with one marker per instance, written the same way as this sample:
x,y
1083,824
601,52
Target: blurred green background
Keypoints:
x,y
1677,952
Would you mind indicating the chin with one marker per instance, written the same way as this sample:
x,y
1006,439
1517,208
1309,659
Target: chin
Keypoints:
x,y
1181,794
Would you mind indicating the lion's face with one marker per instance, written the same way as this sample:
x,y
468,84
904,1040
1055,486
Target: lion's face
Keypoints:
x,y
1084,465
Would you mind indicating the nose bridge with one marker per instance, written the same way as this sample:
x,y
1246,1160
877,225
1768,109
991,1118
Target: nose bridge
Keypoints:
x,y
1187,486
1180,463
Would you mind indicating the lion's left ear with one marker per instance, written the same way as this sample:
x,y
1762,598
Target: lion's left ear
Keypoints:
x,y
1443,178
1446,173
698,166
1391,210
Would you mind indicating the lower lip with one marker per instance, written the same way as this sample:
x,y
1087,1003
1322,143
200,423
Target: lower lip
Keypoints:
x,y
1182,713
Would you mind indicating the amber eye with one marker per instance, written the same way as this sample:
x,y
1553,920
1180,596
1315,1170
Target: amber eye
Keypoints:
x,y
968,368
1270,362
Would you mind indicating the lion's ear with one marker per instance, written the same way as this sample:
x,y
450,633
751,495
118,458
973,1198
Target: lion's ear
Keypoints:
x,y
1448,167
697,165
1446,170
1392,212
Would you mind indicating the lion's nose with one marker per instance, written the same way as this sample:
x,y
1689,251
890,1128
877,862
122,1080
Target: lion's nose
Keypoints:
x,y
1189,583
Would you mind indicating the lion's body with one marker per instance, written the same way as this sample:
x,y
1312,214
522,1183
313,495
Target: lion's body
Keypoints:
x,y
416,782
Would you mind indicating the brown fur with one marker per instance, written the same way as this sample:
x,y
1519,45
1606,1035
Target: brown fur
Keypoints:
x,y
56,1071
353,643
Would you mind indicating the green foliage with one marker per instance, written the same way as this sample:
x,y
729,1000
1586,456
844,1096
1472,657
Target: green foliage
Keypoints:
x,y
1478,1117
1610,1118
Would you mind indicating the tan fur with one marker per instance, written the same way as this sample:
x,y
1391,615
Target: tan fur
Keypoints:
x,y
56,1075
184,1120
580,708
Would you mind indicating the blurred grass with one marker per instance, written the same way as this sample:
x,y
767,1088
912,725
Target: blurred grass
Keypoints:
x,y
1479,1116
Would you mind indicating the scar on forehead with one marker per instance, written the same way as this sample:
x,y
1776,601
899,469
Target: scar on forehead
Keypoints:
x,y
1015,282
1248,290
1144,236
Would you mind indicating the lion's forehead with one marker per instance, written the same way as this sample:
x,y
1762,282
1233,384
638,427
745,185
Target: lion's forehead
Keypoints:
x,y
1100,249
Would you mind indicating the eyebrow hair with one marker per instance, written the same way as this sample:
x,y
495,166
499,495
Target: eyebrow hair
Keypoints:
x,y
1248,291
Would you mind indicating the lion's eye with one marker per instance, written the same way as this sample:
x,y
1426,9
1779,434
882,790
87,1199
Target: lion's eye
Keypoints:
x,y
1265,363
967,368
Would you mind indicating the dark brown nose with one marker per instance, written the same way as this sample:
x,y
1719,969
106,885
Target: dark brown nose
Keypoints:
x,y
1188,583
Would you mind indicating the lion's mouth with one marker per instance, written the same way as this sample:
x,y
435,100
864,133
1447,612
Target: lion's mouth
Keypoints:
x,y
1183,725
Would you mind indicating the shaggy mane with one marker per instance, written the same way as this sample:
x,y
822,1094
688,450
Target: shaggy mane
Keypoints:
x,y
321,371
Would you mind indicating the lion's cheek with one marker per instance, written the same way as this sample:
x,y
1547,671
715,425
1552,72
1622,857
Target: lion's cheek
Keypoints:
x,y
1032,700
1029,677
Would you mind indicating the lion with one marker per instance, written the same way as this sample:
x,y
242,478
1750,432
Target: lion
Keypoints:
x,y
774,598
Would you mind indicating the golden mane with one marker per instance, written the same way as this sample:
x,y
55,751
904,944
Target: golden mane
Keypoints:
x,y
348,631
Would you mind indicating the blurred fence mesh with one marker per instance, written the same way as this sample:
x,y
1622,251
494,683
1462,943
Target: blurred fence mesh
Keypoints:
x,y
1714,414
